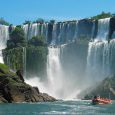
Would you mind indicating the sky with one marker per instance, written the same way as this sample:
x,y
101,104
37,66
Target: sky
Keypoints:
x,y
17,11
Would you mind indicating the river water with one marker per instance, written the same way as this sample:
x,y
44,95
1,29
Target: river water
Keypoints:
x,y
70,107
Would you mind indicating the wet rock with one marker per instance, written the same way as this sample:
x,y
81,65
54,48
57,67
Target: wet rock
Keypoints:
x,y
14,89
19,74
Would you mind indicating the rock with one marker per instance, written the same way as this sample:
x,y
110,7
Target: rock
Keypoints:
x,y
2,100
14,89
19,74
112,27
85,29
105,89
1,71
36,88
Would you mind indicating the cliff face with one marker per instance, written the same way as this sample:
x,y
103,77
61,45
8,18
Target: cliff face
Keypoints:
x,y
112,28
84,29
14,58
105,89
14,89
32,60
73,59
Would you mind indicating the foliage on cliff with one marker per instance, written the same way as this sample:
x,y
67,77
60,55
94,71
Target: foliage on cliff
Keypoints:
x,y
34,55
39,20
14,58
3,22
36,61
27,22
17,38
37,41
13,89
102,15
105,89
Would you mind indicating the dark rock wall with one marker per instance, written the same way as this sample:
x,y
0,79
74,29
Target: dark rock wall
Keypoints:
x,y
112,27
13,89
85,29
33,63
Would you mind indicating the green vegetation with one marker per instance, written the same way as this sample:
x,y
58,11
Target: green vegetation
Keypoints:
x,y
36,60
3,22
37,41
4,69
3,66
14,58
27,22
36,53
17,38
52,21
102,15
104,89
39,20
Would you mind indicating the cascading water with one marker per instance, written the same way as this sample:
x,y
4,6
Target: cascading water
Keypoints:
x,y
62,84
65,32
62,32
24,61
64,81
35,29
26,29
4,36
54,71
103,29
98,59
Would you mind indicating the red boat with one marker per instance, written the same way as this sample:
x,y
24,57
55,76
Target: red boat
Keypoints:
x,y
98,100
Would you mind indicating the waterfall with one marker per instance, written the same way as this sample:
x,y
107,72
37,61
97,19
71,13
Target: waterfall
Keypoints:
x,y
64,32
35,29
99,51
24,61
4,36
62,83
54,71
103,29
93,30
26,29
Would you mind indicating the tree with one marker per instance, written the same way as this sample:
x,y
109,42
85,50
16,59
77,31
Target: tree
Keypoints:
x,y
102,15
37,41
39,20
27,22
3,22
17,38
52,21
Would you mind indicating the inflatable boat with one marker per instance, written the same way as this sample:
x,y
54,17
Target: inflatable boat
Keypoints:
x,y
101,101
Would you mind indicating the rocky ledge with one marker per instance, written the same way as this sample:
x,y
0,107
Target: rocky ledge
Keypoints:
x,y
14,89
105,89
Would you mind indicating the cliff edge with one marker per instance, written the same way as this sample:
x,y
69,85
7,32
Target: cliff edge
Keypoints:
x,y
14,89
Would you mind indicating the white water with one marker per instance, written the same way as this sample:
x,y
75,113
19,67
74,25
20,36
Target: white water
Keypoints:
x,y
98,59
103,29
55,72
35,29
65,32
54,85
4,36
24,61
61,84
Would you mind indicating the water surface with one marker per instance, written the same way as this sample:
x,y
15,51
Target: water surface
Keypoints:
x,y
59,107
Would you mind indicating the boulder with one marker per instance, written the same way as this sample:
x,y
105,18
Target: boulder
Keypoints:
x,y
14,89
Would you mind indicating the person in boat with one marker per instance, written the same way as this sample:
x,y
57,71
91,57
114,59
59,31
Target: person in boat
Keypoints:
x,y
95,99
98,100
